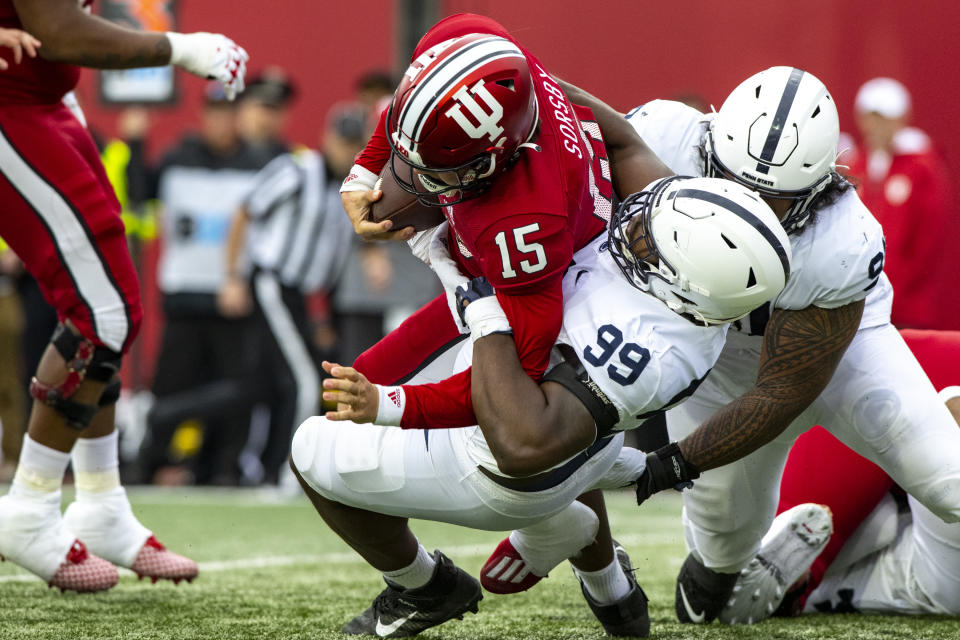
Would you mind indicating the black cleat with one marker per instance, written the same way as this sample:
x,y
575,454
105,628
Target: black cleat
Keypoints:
x,y
628,616
401,613
701,592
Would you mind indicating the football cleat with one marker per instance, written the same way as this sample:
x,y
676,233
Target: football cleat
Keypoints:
x,y
794,541
505,571
400,613
108,527
701,592
628,616
158,563
32,535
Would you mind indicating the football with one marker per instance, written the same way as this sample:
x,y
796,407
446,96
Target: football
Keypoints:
x,y
401,207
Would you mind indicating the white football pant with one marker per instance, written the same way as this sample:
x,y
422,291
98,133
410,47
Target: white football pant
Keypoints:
x,y
879,403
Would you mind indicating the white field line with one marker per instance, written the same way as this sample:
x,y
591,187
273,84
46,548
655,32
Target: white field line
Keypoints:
x,y
342,557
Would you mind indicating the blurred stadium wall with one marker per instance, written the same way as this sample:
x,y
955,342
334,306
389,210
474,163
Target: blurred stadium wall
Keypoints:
x,y
627,51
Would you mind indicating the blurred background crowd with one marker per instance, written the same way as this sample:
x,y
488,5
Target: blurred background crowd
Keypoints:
x,y
251,273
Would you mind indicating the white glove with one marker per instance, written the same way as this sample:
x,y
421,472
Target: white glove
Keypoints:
x,y
212,56
438,257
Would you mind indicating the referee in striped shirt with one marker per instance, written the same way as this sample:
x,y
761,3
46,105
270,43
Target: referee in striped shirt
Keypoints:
x,y
288,240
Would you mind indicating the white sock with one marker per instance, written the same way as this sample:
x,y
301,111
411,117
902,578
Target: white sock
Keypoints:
x,y
416,574
96,464
40,471
606,586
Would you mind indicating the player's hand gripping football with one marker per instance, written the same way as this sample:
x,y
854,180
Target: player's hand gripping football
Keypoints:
x,y
356,398
20,42
357,205
666,469
212,56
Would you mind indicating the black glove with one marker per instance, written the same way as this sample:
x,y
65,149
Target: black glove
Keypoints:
x,y
666,469
471,292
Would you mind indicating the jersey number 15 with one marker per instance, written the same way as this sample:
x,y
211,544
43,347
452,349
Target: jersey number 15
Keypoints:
x,y
533,251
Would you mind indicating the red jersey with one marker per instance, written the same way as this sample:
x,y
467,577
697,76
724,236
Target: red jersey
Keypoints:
x,y
520,234
909,193
34,80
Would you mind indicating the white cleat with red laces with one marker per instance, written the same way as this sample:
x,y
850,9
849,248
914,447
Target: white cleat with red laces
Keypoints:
x,y
107,525
32,535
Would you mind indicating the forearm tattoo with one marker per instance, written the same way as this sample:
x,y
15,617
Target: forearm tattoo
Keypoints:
x,y
801,350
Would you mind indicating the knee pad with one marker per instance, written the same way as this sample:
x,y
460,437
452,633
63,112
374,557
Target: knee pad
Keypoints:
x,y
111,393
942,497
549,542
83,360
876,416
303,444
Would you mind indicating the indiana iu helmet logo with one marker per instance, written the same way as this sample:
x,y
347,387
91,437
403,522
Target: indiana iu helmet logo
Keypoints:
x,y
488,124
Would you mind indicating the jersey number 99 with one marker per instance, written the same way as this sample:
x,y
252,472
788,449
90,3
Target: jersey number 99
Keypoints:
x,y
631,355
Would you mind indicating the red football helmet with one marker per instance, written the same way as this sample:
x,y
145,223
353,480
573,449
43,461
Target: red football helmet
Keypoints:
x,y
461,113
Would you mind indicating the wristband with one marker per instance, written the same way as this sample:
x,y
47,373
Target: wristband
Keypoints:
x,y
178,47
392,400
949,393
359,179
485,317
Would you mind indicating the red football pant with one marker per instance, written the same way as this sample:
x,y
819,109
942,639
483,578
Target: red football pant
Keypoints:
x,y
62,219
410,348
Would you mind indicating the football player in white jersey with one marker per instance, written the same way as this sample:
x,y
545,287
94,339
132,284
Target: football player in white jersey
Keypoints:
x,y
823,352
703,252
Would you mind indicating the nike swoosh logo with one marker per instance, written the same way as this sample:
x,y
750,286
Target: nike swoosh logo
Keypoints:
x,y
384,630
577,278
696,618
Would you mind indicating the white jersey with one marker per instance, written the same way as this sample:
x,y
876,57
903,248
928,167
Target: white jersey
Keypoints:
x,y
641,355
838,259
644,357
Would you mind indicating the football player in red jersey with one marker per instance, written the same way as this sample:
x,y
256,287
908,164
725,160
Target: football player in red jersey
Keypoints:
x,y
62,219
480,128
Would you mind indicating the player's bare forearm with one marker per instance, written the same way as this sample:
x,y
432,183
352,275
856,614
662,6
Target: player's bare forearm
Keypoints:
x,y
71,35
236,239
634,164
801,350
529,427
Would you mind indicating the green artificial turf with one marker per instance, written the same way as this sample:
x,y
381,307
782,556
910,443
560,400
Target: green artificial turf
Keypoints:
x,y
271,569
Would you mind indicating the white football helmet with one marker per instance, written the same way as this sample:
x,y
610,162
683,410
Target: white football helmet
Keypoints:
x,y
706,247
777,133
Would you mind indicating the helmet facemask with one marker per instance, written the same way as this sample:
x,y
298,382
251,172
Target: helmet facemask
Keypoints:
x,y
711,250
652,273
472,178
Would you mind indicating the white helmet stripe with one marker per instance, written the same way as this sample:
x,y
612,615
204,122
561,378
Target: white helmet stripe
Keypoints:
x,y
780,119
746,215
432,89
436,69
